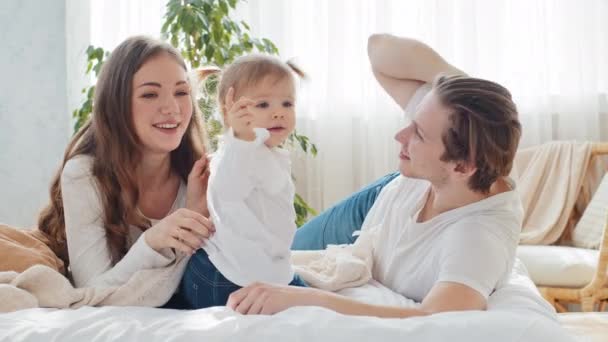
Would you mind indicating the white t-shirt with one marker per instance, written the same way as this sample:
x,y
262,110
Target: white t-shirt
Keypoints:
x,y
90,257
250,197
472,245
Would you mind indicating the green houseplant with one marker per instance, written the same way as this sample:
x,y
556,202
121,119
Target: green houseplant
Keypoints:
x,y
206,35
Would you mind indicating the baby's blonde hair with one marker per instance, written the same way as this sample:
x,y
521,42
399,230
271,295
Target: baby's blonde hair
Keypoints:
x,y
247,71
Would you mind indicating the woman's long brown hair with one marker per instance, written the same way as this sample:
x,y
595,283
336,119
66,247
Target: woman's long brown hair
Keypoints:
x,y
109,137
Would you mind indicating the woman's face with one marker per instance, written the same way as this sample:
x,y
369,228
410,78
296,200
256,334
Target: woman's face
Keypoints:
x,y
161,104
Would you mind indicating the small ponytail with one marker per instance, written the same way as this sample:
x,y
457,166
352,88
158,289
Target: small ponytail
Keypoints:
x,y
296,69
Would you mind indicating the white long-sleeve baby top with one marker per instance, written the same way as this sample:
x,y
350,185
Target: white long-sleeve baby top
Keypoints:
x,y
250,199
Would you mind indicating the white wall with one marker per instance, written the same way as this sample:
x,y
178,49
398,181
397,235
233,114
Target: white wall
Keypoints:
x,y
36,97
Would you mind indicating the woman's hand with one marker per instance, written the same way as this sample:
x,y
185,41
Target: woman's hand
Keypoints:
x,y
196,193
184,230
266,299
239,117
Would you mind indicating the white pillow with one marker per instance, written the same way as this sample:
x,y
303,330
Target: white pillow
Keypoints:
x,y
516,293
519,294
559,266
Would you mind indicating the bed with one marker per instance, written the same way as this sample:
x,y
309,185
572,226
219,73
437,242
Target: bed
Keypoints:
x,y
510,317
516,312
586,326
296,324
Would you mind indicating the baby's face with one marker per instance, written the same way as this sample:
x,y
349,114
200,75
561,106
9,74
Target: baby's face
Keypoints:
x,y
273,108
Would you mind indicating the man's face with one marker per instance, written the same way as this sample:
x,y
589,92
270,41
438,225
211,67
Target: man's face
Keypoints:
x,y
422,144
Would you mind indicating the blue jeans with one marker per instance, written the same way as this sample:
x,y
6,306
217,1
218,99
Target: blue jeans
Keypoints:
x,y
203,285
336,225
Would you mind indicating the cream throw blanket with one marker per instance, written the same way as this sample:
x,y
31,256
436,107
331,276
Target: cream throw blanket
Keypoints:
x,y
549,178
336,268
42,286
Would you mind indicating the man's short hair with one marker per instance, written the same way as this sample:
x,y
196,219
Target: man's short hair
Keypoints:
x,y
484,129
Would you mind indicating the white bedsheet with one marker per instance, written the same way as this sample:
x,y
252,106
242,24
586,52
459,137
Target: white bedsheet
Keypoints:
x,y
297,324
515,314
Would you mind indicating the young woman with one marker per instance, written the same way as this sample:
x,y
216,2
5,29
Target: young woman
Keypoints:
x,y
132,185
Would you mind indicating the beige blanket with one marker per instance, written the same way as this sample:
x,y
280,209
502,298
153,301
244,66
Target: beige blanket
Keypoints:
x,y
41,286
549,179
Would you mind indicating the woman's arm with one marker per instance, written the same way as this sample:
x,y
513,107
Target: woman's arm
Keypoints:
x,y
402,65
90,258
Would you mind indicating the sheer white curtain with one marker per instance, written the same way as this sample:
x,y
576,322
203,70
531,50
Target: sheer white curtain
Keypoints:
x,y
550,53
114,20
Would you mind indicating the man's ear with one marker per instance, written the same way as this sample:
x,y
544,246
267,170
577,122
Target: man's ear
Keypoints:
x,y
465,169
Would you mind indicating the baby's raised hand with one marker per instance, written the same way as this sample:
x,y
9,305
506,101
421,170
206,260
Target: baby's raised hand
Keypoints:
x,y
239,117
